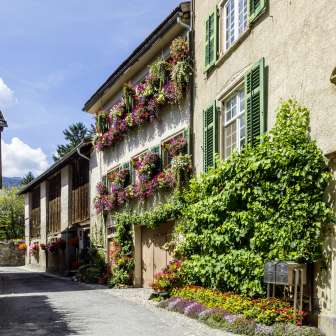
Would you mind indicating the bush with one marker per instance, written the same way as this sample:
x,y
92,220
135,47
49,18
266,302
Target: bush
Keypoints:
x,y
284,329
89,273
263,204
243,326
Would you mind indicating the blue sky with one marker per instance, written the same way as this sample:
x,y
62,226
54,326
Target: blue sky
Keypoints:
x,y
54,55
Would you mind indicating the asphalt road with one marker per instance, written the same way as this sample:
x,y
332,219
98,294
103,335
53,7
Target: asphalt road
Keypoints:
x,y
32,303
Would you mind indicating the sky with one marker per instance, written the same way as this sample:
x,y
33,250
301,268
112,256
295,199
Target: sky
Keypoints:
x,y
54,55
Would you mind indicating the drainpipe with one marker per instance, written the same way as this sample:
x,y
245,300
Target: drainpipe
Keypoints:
x,y
80,154
190,29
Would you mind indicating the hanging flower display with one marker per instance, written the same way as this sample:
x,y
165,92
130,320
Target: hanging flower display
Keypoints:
x,y
22,246
175,146
56,245
118,178
43,247
34,248
165,84
150,179
166,180
147,165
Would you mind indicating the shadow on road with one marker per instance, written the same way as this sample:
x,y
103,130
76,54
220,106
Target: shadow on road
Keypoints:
x,y
25,283
31,315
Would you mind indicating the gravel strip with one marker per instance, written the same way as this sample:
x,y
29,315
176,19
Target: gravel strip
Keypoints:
x,y
140,296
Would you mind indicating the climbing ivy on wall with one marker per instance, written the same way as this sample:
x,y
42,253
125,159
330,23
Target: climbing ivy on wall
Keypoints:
x,y
263,204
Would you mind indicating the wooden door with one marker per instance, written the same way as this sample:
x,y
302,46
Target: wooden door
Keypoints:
x,y
154,256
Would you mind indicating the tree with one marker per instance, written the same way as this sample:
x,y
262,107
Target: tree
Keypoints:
x,y
11,214
74,135
27,178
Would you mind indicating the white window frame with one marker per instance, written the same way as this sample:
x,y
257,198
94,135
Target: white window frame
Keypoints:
x,y
237,118
223,22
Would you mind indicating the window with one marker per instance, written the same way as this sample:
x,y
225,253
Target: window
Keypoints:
x,y
235,18
234,122
173,146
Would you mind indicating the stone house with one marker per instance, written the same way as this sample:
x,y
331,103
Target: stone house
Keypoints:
x,y
248,56
57,213
114,104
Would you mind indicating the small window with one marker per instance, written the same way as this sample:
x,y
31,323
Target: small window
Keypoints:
x,y
234,123
234,21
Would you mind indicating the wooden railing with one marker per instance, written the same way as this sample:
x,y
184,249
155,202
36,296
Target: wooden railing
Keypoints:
x,y
35,223
80,204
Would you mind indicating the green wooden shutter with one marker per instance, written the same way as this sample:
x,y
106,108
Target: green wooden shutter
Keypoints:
x,y
186,135
255,102
210,136
256,8
105,181
211,39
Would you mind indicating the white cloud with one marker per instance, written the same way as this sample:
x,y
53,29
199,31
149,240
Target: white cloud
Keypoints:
x,y
19,158
6,95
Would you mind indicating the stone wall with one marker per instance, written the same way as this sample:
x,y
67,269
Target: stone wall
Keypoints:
x,y
10,255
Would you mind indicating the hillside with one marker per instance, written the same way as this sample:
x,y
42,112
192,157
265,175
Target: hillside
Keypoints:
x,y
11,181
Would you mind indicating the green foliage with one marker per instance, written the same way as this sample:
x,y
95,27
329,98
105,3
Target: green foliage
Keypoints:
x,y
93,267
263,204
243,326
73,135
27,178
125,221
282,329
11,214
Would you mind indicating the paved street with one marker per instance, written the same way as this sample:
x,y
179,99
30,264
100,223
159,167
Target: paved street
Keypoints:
x,y
32,303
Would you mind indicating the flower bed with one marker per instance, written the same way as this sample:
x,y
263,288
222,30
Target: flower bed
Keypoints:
x,y
165,84
169,278
234,313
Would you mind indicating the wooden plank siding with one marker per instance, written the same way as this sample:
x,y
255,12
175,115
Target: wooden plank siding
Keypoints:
x,y
80,191
35,218
54,205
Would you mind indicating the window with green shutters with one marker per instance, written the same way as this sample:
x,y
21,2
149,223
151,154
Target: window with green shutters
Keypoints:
x,y
211,39
210,136
255,102
256,8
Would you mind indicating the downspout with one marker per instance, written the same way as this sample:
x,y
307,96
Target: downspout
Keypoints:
x,y
80,154
190,29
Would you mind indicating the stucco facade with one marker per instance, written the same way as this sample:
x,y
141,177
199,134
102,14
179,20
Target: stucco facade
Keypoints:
x,y
173,119
297,41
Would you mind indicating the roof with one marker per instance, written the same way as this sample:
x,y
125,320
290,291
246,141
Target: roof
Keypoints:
x,y
3,122
183,8
58,165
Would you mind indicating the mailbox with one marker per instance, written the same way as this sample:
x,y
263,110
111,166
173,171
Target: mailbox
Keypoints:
x,y
283,273
269,272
